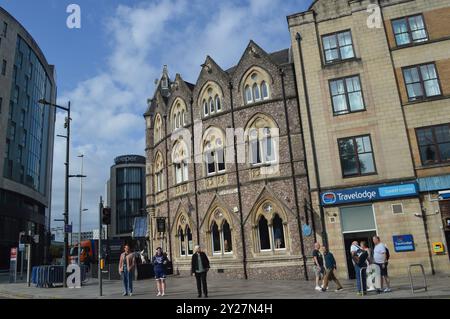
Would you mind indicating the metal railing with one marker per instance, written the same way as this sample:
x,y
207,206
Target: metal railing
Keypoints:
x,y
414,289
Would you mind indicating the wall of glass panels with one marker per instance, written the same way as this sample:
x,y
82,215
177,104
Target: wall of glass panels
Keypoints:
x,y
130,197
28,125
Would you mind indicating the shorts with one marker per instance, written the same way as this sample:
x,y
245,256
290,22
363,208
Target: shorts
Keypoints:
x,y
318,271
383,269
160,275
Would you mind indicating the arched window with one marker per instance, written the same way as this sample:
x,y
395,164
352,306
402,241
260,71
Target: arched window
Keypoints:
x,y
263,136
248,94
264,90
190,246
256,92
159,176
255,85
215,235
211,105
211,97
177,113
184,236
214,151
270,227
227,241
218,105
182,242
264,237
180,159
157,129
221,233
205,108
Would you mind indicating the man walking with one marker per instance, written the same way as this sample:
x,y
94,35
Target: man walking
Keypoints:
x,y
126,269
330,267
359,258
200,267
318,265
380,258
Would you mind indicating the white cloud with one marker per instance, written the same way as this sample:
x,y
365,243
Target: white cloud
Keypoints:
x,y
107,108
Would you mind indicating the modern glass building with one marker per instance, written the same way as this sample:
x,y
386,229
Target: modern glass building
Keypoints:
x,y
126,194
26,139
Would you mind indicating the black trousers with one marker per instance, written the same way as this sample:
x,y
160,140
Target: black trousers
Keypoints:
x,y
201,281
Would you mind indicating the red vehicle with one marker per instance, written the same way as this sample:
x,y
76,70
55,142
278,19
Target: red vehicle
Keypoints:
x,y
89,251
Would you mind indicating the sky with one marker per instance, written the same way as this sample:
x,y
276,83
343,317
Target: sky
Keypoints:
x,y
108,67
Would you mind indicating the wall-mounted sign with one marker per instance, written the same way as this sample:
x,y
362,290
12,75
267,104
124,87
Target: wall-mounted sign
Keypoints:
x,y
130,159
403,243
307,231
368,194
161,224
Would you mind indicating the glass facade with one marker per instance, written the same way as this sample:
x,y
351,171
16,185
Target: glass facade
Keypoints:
x,y
130,197
28,124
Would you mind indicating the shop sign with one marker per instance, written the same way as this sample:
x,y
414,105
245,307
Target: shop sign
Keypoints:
x,y
368,194
403,243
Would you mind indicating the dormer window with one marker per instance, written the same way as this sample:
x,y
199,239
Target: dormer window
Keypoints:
x,y
211,99
256,88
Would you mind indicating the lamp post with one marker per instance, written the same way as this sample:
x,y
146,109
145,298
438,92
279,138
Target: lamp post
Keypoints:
x,y
81,209
66,196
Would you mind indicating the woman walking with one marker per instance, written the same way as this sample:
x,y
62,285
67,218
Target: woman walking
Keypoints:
x,y
126,269
160,262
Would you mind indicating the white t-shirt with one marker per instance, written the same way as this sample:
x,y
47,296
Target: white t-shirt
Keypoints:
x,y
379,253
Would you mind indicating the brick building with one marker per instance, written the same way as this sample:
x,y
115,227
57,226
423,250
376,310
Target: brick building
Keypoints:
x,y
374,85
242,196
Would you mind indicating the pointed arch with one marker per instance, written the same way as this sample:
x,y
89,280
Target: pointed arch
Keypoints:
x,y
177,113
219,228
183,232
213,150
158,167
253,82
157,133
262,140
212,94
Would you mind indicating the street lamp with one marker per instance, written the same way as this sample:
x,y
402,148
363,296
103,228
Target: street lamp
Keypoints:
x,y
66,196
81,208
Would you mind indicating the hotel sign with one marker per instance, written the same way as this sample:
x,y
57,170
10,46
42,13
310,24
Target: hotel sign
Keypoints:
x,y
368,194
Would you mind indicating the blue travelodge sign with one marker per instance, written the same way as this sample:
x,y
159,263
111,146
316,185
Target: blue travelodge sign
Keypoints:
x,y
368,194
403,243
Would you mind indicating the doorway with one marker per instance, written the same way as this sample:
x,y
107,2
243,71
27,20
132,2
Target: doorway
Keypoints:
x,y
351,237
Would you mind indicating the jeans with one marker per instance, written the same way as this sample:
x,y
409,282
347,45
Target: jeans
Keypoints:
x,y
127,277
359,279
201,280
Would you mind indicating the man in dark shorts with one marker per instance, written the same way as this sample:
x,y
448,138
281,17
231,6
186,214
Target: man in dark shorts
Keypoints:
x,y
318,265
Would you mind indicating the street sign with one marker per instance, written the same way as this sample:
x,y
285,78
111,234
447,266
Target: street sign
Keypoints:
x,y
13,265
68,228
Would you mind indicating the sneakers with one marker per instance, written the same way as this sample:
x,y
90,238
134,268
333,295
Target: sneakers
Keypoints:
x,y
339,289
162,295
318,288
159,294
124,294
131,294
387,290
372,289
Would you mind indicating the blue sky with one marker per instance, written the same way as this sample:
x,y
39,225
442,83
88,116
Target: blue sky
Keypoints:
x,y
108,67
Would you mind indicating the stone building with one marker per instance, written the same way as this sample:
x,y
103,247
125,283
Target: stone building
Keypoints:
x,y
26,140
374,85
241,196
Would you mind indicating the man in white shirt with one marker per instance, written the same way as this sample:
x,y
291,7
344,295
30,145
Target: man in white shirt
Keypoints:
x,y
380,259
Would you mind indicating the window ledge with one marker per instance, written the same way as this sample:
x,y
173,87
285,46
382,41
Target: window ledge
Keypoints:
x,y
429,99
338,63
437,165
349,113
410,45
358,176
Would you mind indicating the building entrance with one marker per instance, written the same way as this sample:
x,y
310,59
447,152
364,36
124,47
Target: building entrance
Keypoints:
x,y
351,237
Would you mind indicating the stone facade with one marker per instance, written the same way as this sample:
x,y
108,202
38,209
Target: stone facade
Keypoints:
x,y
234,201
388,116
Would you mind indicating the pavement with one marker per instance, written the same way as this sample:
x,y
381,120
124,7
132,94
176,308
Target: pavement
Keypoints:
x,y
185,288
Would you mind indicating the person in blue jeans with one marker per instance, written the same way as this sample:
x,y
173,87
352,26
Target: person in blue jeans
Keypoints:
x,y
160,262
359,260
126,269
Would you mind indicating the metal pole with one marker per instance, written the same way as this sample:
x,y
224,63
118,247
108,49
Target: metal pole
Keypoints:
x,y
100,230
29,262
66,198
81,210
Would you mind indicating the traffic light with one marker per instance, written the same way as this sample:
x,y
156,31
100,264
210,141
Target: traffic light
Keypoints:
x,y
106,216
26,239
